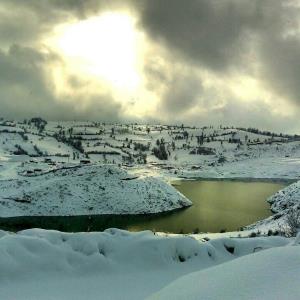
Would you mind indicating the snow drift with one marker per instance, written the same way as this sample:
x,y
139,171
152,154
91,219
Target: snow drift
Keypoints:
x,y
270,274
117,264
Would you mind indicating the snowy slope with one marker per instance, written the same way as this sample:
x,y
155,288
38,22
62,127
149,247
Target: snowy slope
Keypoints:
x,y
271,274
286,198
83,190
244,153
42,265
283,203
252,168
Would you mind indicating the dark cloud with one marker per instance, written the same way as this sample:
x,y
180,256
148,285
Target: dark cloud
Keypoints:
x,y
252,114
182,94
281,66
232,35
211,33
23,22
178,88
252,38
26,90
186,99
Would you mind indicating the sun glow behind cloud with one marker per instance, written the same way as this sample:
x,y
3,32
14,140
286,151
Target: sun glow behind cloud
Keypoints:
x,y
107,47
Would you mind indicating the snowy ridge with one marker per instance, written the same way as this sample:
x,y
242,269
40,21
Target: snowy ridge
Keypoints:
x,y
117,264
282,204
93,189
270,168
285,198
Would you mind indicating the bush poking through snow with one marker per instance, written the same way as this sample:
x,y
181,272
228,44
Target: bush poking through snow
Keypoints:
x,y
293,222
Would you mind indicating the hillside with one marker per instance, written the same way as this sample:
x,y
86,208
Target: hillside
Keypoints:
x,y
85,190
285,205
216,152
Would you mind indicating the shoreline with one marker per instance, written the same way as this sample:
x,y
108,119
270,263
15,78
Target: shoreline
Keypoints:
x,y
238,179
100,222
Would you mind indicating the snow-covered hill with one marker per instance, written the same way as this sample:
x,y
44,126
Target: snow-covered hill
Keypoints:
x,y
85,190
286,198
284,204
168,146
43,265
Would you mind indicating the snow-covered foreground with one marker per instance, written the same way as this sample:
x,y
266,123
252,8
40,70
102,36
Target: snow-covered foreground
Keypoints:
x,y
270,274
87,190
115,264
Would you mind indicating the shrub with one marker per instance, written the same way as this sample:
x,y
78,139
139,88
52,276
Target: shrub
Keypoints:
x,y
196,231
20,150
160,152
293,222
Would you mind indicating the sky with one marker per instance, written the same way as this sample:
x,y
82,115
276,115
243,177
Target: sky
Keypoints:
x,y
202,62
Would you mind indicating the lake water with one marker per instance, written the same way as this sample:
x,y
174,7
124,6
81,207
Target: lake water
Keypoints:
x,y
217,205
